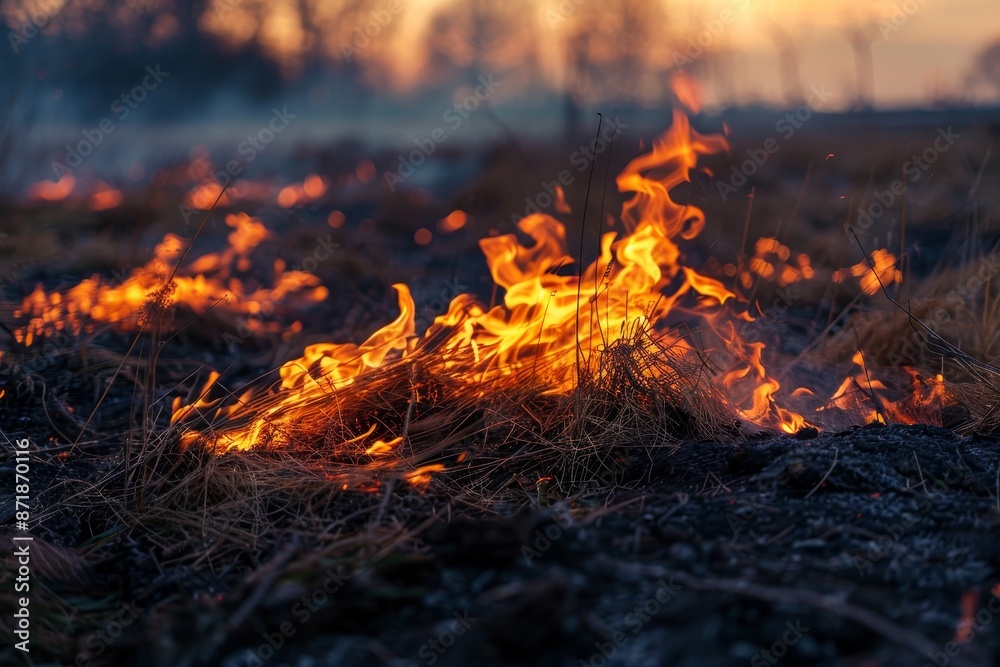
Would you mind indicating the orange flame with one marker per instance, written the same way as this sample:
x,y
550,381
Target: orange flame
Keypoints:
x,y
208,283
453,222
687,90
875,401
298,194
881,272
547,318
52,191
105,197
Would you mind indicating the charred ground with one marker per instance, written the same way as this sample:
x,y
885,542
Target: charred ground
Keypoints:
x,y
879,540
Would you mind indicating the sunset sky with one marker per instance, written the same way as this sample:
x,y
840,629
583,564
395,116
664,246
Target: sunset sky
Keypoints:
x,y
921,50
932,50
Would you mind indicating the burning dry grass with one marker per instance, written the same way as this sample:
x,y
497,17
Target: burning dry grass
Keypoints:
x,y
166,519
344,457
159,522
947,328
193,518
94,301
640,397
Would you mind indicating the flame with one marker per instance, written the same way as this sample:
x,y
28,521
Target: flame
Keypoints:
x,y
872,398
881,272
966,628
204,195
105,197
421,477
52,191
561,204
452,222
687,90
208,283
299,194
552,326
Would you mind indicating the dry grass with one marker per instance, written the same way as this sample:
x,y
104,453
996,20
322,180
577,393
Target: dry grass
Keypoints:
x,y
185,518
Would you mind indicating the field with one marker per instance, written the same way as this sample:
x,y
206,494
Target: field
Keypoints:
x,y
647,515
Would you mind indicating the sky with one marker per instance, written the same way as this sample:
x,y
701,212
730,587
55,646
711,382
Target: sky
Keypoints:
x,y
919,48
893,53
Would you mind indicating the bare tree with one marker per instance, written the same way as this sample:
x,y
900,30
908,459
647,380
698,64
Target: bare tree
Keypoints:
x,y
789,60
986,68
861,36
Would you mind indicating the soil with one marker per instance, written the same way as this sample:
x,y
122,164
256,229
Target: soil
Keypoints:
x,y
864,547
870,546
870,543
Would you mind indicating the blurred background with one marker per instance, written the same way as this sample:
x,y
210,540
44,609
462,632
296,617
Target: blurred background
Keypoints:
x,y
411,129
384,72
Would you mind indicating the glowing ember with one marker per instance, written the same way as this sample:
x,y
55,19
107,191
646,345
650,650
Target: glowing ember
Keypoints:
x,y
771,261
204,195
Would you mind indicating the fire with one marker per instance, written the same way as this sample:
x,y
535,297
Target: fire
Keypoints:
x,y
552,326
204,195
52,191
452,222
862,394
208,283
687,90
548,337
105,197
560,203
299,194
773,261
881,272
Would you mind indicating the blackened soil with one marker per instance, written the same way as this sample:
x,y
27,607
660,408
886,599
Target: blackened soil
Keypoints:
x,y
866,547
